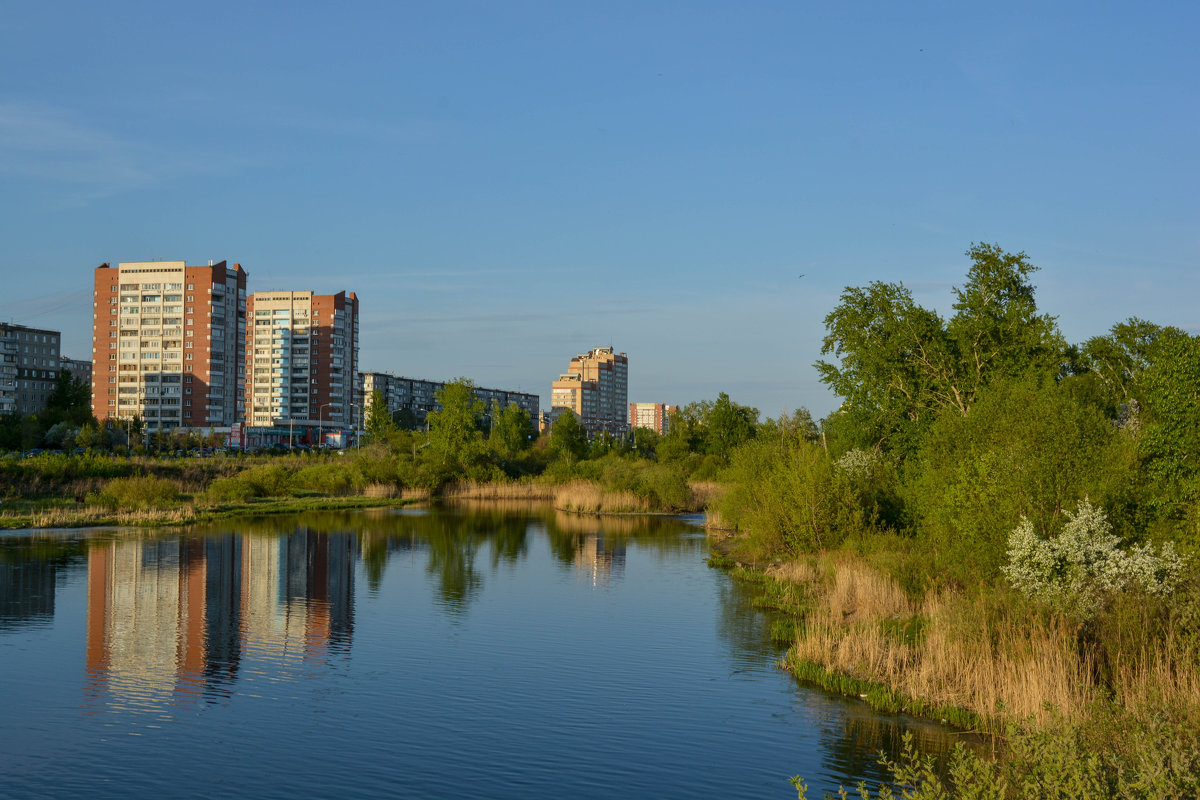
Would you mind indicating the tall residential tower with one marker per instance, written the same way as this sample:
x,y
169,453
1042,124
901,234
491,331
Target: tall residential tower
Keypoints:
x,y
167,343
302,359
596,388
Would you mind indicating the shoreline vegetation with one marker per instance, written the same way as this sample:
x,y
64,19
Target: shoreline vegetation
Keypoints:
x,y
996,529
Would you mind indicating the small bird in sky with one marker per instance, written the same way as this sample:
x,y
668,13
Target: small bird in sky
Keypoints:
x,y
801,275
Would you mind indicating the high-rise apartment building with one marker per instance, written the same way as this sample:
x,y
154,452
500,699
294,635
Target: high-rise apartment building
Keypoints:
x,y
167,343
28,367
596,388
302,359
655,416
420,396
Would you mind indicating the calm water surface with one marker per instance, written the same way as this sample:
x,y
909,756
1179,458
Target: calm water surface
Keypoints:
x,y
456,653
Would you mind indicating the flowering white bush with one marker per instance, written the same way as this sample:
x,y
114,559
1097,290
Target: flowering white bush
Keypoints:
x,y
1075,570
859,464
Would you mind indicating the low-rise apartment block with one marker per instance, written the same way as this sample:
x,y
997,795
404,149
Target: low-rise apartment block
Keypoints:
x,y
420,396
28,367
167,343
80,369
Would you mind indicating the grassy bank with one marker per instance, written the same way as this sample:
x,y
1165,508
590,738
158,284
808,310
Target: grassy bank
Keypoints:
x,y
1110,708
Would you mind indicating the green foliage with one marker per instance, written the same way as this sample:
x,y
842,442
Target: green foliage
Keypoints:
x,y
331,479
141,492
456,428
1170,439
899,364
267,480
229,490
378,425
1026,449
1159,760
512,431
70,400
568,438
728,425
790,498
1119,358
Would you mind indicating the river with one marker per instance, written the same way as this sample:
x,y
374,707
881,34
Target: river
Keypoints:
x,y
469,652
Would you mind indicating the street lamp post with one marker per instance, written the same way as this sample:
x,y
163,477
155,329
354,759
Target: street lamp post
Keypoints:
x,y
321,419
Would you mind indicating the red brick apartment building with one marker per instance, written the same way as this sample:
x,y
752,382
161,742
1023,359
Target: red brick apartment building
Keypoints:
x,y
168,343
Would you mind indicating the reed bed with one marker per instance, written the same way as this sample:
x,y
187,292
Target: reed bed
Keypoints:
x,y
592,498
945,651
499,490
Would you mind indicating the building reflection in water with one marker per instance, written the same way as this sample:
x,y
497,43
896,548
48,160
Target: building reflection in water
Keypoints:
x,y
169,619
27,593
600,560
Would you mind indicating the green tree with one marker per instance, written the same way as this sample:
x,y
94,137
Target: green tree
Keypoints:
x,y
456,427
568,438
728,425
512,431
378,426
405,419
645,442
1170,441
899,365
69,401
1119,358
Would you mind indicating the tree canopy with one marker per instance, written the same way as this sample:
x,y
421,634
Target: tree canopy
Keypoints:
x,y
897,365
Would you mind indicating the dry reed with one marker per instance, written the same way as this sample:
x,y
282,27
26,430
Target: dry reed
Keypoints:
x,y
498,490
946,653
591,498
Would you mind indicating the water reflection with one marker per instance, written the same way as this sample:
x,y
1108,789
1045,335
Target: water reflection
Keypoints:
x,y
266,609
31,568
170,618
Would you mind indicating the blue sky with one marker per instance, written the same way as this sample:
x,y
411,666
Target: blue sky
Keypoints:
x,y
508,184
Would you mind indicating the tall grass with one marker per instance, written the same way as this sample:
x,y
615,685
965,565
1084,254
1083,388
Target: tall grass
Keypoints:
x,y
947,651
591,498
499,490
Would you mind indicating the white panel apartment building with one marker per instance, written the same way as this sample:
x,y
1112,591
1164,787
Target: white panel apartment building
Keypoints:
x,y
302,359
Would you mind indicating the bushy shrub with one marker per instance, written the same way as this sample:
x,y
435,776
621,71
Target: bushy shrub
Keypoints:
x,y
790,497
229,490
136,493
665,487
1074,571
334,479
268,480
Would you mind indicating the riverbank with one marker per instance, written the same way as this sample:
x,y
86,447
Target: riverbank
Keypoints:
x,y
1112,704
80,515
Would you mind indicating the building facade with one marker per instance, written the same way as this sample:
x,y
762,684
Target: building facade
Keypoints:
x,y
28,367
302,361
168,343
654,416
81,370
596,388
420,396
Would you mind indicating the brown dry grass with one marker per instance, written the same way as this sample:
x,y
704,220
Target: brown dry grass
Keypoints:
x,y
1166,675
521,490
706,493
592,498
945,650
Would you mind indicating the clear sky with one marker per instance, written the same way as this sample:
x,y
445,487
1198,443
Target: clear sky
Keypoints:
x,y
506,184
